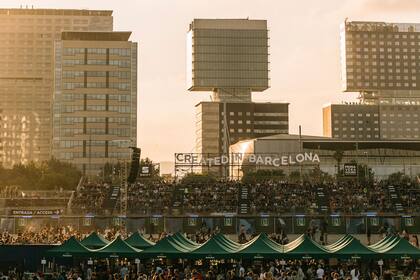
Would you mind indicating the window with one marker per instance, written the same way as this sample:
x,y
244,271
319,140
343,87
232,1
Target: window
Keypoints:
x,y
192,221
264,222
96,51
96,62
119,51
228,221
73,51
120,63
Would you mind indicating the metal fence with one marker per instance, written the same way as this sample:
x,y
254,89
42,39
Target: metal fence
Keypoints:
x,y
293,224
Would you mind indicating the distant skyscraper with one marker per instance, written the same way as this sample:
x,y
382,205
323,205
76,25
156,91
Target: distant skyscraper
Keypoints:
x,y
381,61
229,57
95,98
27,75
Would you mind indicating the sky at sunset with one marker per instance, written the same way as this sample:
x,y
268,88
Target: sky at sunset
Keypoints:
x,y
304,56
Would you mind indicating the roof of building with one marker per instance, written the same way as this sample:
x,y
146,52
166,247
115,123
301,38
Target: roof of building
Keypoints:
x,y
55,12
96,36
239,24
238,102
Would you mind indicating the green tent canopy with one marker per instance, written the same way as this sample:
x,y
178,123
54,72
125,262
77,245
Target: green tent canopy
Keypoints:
x,y
138,241
217,247
179,237
352,248
70,248
117,248
398,248
304,247
385,242
94,241
261,247
166,248
339,243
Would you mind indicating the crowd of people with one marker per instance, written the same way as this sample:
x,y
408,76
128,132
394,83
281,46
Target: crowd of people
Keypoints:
x,y
234,270
268,197
55,234
42,235
90,198
271,197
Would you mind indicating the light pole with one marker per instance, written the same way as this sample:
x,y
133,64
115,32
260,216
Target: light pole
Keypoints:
x,y
366,166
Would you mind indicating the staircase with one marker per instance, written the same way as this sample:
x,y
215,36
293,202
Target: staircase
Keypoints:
x,y
111,199
322,200
243,200
395,199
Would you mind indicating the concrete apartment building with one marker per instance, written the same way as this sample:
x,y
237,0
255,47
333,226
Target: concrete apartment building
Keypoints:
x,y
27,75
380,61
95,98
243,121
229,58
371,121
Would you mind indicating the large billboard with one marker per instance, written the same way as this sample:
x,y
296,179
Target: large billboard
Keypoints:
x,y
275,160
350,170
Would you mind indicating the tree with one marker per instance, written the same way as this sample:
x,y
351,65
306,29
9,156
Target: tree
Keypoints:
x,y
47,175
252,177
365,174
317,175
198,179
398,178
294,176
338,156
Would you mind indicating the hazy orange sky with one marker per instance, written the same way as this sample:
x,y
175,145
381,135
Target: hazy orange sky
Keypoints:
x,y
304,56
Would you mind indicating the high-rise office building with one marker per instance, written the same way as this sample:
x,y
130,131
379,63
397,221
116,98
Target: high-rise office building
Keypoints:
x,y
243,121
380,61
95,98
371,121
229,58
27,75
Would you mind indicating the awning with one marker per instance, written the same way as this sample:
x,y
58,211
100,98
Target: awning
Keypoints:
x,y
261,247
70,248
351,248
117,248
166,248
396,248
94,241
217,247
138,241
305,247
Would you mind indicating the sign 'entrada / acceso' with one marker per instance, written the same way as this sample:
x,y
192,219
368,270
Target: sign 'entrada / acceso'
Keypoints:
x,y
194,159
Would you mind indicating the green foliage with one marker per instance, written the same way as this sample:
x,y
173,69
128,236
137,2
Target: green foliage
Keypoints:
x,y
111,171
252,177
365,174
198,179
48,175
318,176
399,178
294,177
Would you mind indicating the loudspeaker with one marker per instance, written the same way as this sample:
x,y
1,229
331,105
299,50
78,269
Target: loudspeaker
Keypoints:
x,y
134,167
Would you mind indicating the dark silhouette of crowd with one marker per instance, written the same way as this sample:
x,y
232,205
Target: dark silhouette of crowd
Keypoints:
x,y
234,270
270,196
